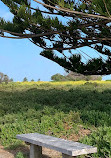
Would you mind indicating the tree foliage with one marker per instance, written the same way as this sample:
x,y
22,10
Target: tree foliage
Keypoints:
x,y
58,77
73,76
5,78
25,79
62,27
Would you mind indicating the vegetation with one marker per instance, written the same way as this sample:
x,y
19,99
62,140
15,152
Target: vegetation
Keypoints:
x,y
79,111
5,78
58,77
62,27
25,79
19,155
71,76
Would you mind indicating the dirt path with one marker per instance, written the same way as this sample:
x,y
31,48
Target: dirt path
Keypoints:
x,y
47,153
5,154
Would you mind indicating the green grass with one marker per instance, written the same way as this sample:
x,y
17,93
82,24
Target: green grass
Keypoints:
x,y
57,110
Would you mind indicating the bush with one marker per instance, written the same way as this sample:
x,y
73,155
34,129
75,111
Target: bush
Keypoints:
x,y
57,77
96,118
102,140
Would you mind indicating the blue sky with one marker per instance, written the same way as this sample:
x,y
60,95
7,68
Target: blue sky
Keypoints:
x,y
20,58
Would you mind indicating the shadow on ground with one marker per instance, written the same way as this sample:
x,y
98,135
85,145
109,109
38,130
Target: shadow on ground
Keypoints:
x,y
26,152
62,100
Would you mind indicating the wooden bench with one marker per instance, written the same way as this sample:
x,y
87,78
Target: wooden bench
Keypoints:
x,y
69,149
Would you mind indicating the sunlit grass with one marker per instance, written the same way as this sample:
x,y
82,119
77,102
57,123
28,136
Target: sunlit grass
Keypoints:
x,y
63,82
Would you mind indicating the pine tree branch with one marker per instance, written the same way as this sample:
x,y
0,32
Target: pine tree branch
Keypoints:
x,y
74,12
21,36
106,8
30,35
79,45
45,11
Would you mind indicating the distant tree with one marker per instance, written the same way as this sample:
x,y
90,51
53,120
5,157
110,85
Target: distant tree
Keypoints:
x,y
76,77
88,78
93,77
32,80
57,77
73,76
6,79
39,79
1,77
25,79
11,80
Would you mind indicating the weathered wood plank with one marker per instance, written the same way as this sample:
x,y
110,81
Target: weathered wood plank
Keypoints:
x,y
66,147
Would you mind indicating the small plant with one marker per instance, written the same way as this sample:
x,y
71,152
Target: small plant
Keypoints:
x,y
19,155
73,117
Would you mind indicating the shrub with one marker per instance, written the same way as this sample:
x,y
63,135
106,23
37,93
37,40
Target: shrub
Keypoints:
x,y
96,118
102,139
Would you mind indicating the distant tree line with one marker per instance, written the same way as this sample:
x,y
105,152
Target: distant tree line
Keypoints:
x,y
72,76
26,80
5,78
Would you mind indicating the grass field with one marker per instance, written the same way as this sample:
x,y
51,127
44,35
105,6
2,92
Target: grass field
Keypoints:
x,y
79,111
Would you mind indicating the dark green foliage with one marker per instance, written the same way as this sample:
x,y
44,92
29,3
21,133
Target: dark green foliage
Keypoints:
x,y
64,31
96,118
100,7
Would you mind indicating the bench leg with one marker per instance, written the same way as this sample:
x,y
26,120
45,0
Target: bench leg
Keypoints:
x,y
35,151
67,156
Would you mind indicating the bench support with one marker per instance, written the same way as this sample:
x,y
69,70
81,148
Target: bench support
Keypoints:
x,y
37,141
67,156
35,151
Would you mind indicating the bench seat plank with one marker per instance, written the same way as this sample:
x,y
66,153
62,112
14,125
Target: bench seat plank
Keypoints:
x,y
64,146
